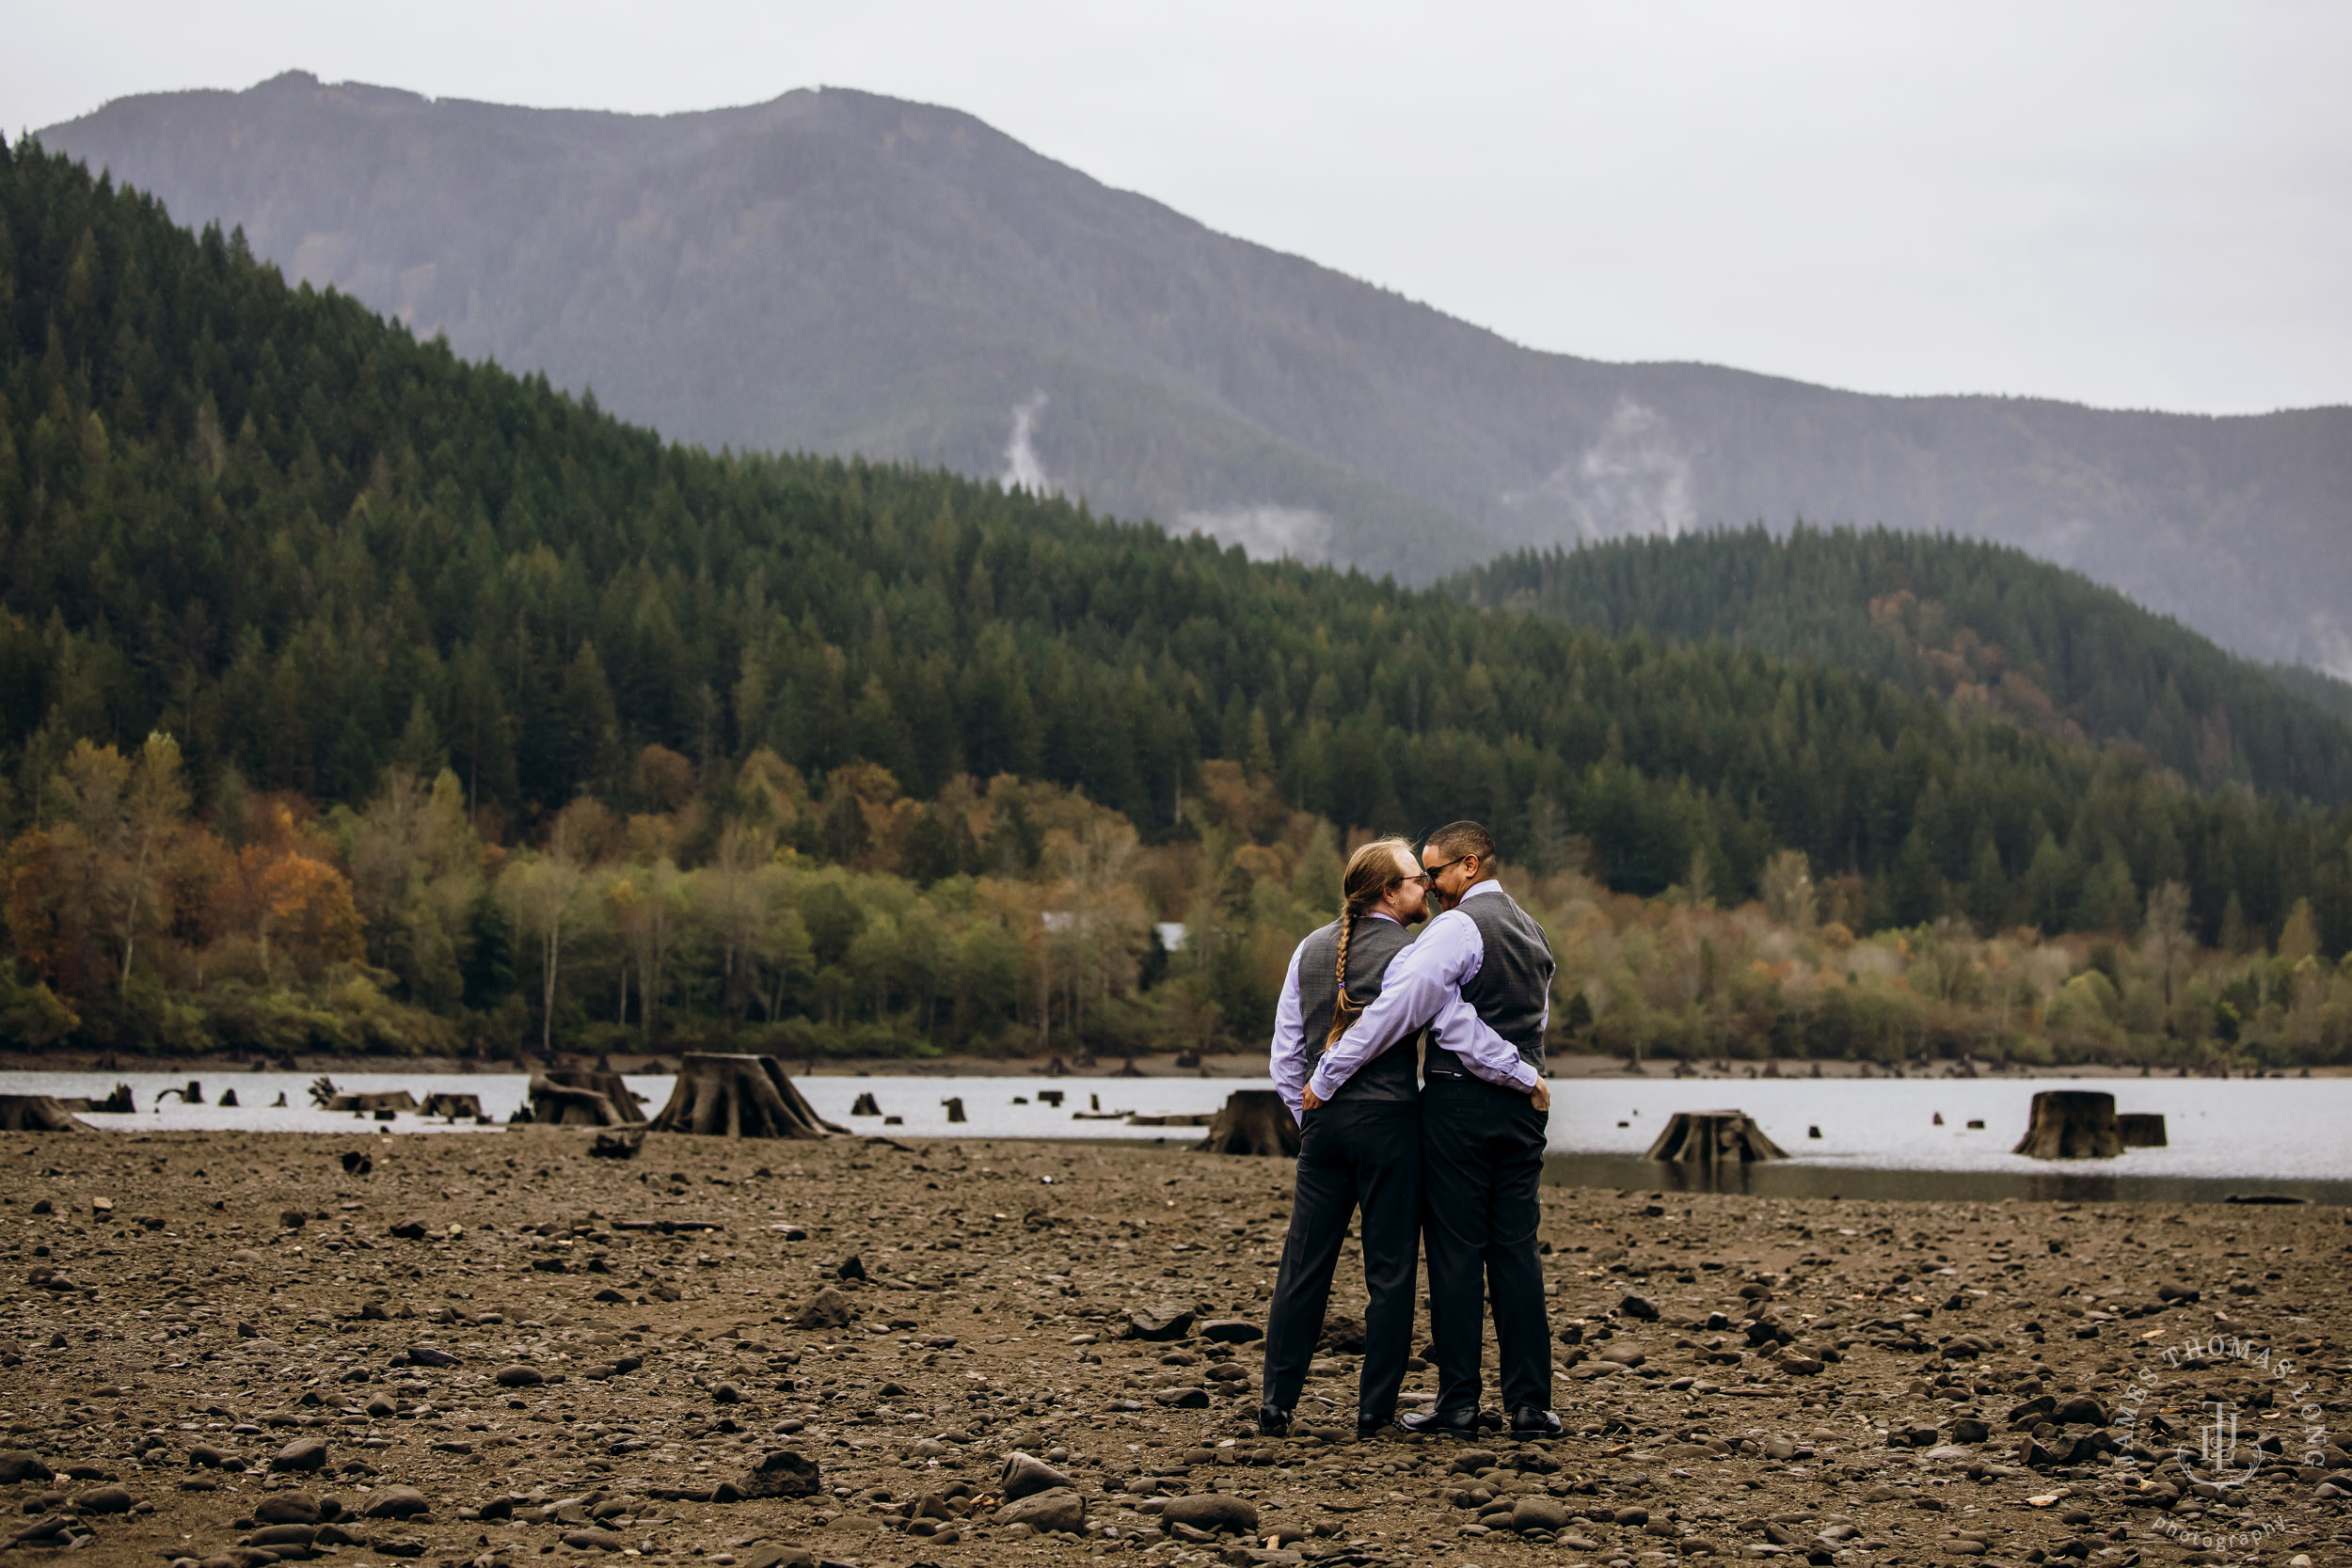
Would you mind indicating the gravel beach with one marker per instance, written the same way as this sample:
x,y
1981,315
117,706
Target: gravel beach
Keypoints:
x,y
238,1349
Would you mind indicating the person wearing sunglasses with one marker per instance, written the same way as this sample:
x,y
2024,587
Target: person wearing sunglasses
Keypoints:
x,y
1359,1149
1479,979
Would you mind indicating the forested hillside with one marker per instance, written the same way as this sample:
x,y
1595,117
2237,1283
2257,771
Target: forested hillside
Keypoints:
x,y
1985,627
842,272
340,680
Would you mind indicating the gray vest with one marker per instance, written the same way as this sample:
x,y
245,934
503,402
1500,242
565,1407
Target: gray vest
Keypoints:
x,y
1394,1075
1513,979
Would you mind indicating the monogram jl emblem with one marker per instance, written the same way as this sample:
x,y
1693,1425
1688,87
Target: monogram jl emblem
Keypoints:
x,y
2217,1441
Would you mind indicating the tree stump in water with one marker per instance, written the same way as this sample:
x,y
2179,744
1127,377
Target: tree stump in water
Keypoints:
x,y
36,1113
563,1105
2072,1124
603,1080
955,1108
1711,1137
738,1097
865,1105
453,1106
372,1101
2141,1128
1254,1121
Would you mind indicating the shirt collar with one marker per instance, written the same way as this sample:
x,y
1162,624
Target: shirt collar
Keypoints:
x,y
1490,885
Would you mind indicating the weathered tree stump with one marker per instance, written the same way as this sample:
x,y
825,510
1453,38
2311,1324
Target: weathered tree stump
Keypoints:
x,y
955,1108
2072,1124
36,1112
1713,1138
601,1081
453,1106
373,1100
738,1097
228,1100
2140,1129
564,1106
865,1105
1254,1121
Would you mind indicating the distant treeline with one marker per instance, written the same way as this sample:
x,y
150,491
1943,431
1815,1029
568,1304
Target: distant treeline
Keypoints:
x,y
312,550
1984,626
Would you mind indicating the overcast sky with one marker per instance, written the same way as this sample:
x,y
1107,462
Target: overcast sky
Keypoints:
x,y
2135,205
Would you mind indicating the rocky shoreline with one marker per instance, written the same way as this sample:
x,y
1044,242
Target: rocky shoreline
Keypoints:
x,y
237,1348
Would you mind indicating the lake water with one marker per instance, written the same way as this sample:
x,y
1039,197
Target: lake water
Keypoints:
x,y
1879,1138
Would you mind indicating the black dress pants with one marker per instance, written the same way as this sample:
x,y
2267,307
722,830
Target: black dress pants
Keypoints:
x,y
1481,1162
1353,1155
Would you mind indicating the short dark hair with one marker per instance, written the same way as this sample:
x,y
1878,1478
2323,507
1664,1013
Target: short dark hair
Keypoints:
x,y
1456,839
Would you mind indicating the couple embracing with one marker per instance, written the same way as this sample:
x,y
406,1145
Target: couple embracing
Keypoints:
x,y
1414,1069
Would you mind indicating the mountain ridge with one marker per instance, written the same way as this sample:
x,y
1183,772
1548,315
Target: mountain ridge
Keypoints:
x,y
835,271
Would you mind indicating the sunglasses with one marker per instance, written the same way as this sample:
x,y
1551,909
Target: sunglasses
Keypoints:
x,y
1431,871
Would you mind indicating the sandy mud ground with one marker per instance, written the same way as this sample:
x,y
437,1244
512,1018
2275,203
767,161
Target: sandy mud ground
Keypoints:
x,y
495,1349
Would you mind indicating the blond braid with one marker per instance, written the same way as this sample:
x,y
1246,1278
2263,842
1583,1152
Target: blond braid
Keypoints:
x,y
1371,873
1344,1011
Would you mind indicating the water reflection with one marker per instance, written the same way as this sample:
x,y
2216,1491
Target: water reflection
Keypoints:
x,y
1790,1178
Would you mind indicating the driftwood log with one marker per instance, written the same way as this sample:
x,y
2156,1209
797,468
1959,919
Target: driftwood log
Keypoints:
x,y
2072,1124
2140,1129
1712,1137
453,1106
36,1112
1254,1121
738,1097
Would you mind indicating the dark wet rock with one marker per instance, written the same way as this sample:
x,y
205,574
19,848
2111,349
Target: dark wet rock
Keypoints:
x,y
519,1376
780,1474
1638,1307
303,1453
396,1502
593,1541
827,1308
1159,1324
1025,1477
206,1456
1967,1428
288,1508
1232,1331
1215,1512
2081,1411
16,1466
1183,1399
411,1230
1631,1516
283,1535
730,1393
103,1499
429,1356
1056,1508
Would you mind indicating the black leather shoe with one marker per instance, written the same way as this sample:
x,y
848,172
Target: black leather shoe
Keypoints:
x,y
1527,1420
1273,1423
1368,1429
1440,1423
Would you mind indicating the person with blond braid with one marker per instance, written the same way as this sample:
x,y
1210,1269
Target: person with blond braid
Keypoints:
x,y
1360,1152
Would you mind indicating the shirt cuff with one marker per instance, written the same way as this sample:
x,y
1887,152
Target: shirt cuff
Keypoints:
x,y
1525,1076
1323,1089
